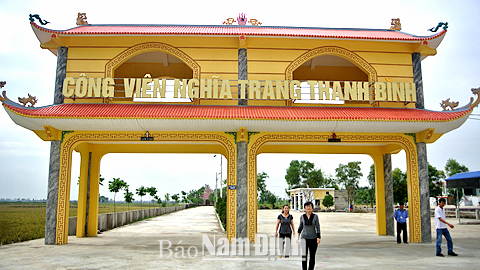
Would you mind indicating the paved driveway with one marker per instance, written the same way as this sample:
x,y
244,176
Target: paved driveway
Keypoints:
x,y
349,241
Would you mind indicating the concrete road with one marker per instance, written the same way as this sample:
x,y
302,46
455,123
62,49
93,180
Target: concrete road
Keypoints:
x,y
349,241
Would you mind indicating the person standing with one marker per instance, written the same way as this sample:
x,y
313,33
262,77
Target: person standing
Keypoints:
x,y
441,226
309,229
401,216
285,220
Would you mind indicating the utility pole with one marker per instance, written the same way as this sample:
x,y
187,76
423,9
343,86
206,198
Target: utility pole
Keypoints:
x,y
221,178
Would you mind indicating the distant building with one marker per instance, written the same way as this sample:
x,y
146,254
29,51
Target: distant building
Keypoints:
x,y
299,196
206,195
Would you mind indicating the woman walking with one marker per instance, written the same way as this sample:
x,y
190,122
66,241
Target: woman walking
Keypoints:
x,y
285,220
309,229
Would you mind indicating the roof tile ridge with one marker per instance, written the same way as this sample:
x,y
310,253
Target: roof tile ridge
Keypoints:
x,y
47,30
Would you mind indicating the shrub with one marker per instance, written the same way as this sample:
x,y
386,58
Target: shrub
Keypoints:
x,y
221,209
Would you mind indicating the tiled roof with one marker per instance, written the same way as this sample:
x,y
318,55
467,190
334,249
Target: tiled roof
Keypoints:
x,y
234,30
155,111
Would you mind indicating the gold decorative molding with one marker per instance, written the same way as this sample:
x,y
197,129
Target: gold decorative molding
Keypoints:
x,y
75,138
151,46
332,50
242,135
406,142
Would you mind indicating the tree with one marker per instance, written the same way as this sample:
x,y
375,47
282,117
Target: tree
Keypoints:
x,y
371,182
261,186
371,176
128,197
453,167
184,196
308,194
115,186
348,175
330,182
195,196
328,201
399,180
454,193
141,191
435,181
315,178
293,174
175,198
270,198
102,199
167,197
157,199
152,192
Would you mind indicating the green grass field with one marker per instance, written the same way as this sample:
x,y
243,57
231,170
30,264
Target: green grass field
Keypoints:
x,y
26,221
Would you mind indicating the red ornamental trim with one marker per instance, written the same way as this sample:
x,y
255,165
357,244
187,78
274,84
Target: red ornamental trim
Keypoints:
x,y
155,111
235,31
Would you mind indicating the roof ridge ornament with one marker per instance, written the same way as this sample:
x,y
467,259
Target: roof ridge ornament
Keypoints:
x,y
31,99
395,24
36,16
447,103
4,97
242,20
473,103
440,24
82,19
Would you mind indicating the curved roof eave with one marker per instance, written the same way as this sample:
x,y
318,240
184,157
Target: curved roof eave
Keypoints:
x,y
138,117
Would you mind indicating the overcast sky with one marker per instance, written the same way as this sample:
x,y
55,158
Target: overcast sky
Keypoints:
x,y
26,68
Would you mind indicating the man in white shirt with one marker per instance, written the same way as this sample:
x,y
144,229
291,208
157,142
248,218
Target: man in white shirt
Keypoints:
x,y
441,226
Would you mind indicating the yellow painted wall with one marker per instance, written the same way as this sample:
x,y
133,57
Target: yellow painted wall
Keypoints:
x,y
268,59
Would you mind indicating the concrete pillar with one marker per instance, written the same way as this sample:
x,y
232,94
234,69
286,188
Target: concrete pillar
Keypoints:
x,y
422,155
242,73
388,180
417,78
55,146
62,56
424,192
242,189
52,195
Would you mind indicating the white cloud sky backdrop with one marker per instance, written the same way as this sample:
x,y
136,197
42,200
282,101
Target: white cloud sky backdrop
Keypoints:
x,y
26,68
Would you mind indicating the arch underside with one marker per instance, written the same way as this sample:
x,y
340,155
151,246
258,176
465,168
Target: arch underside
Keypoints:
x,y
102,143
357,61
372,145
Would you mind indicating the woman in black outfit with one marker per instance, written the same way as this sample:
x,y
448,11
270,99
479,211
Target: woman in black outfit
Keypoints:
x,y
285,220
309,229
